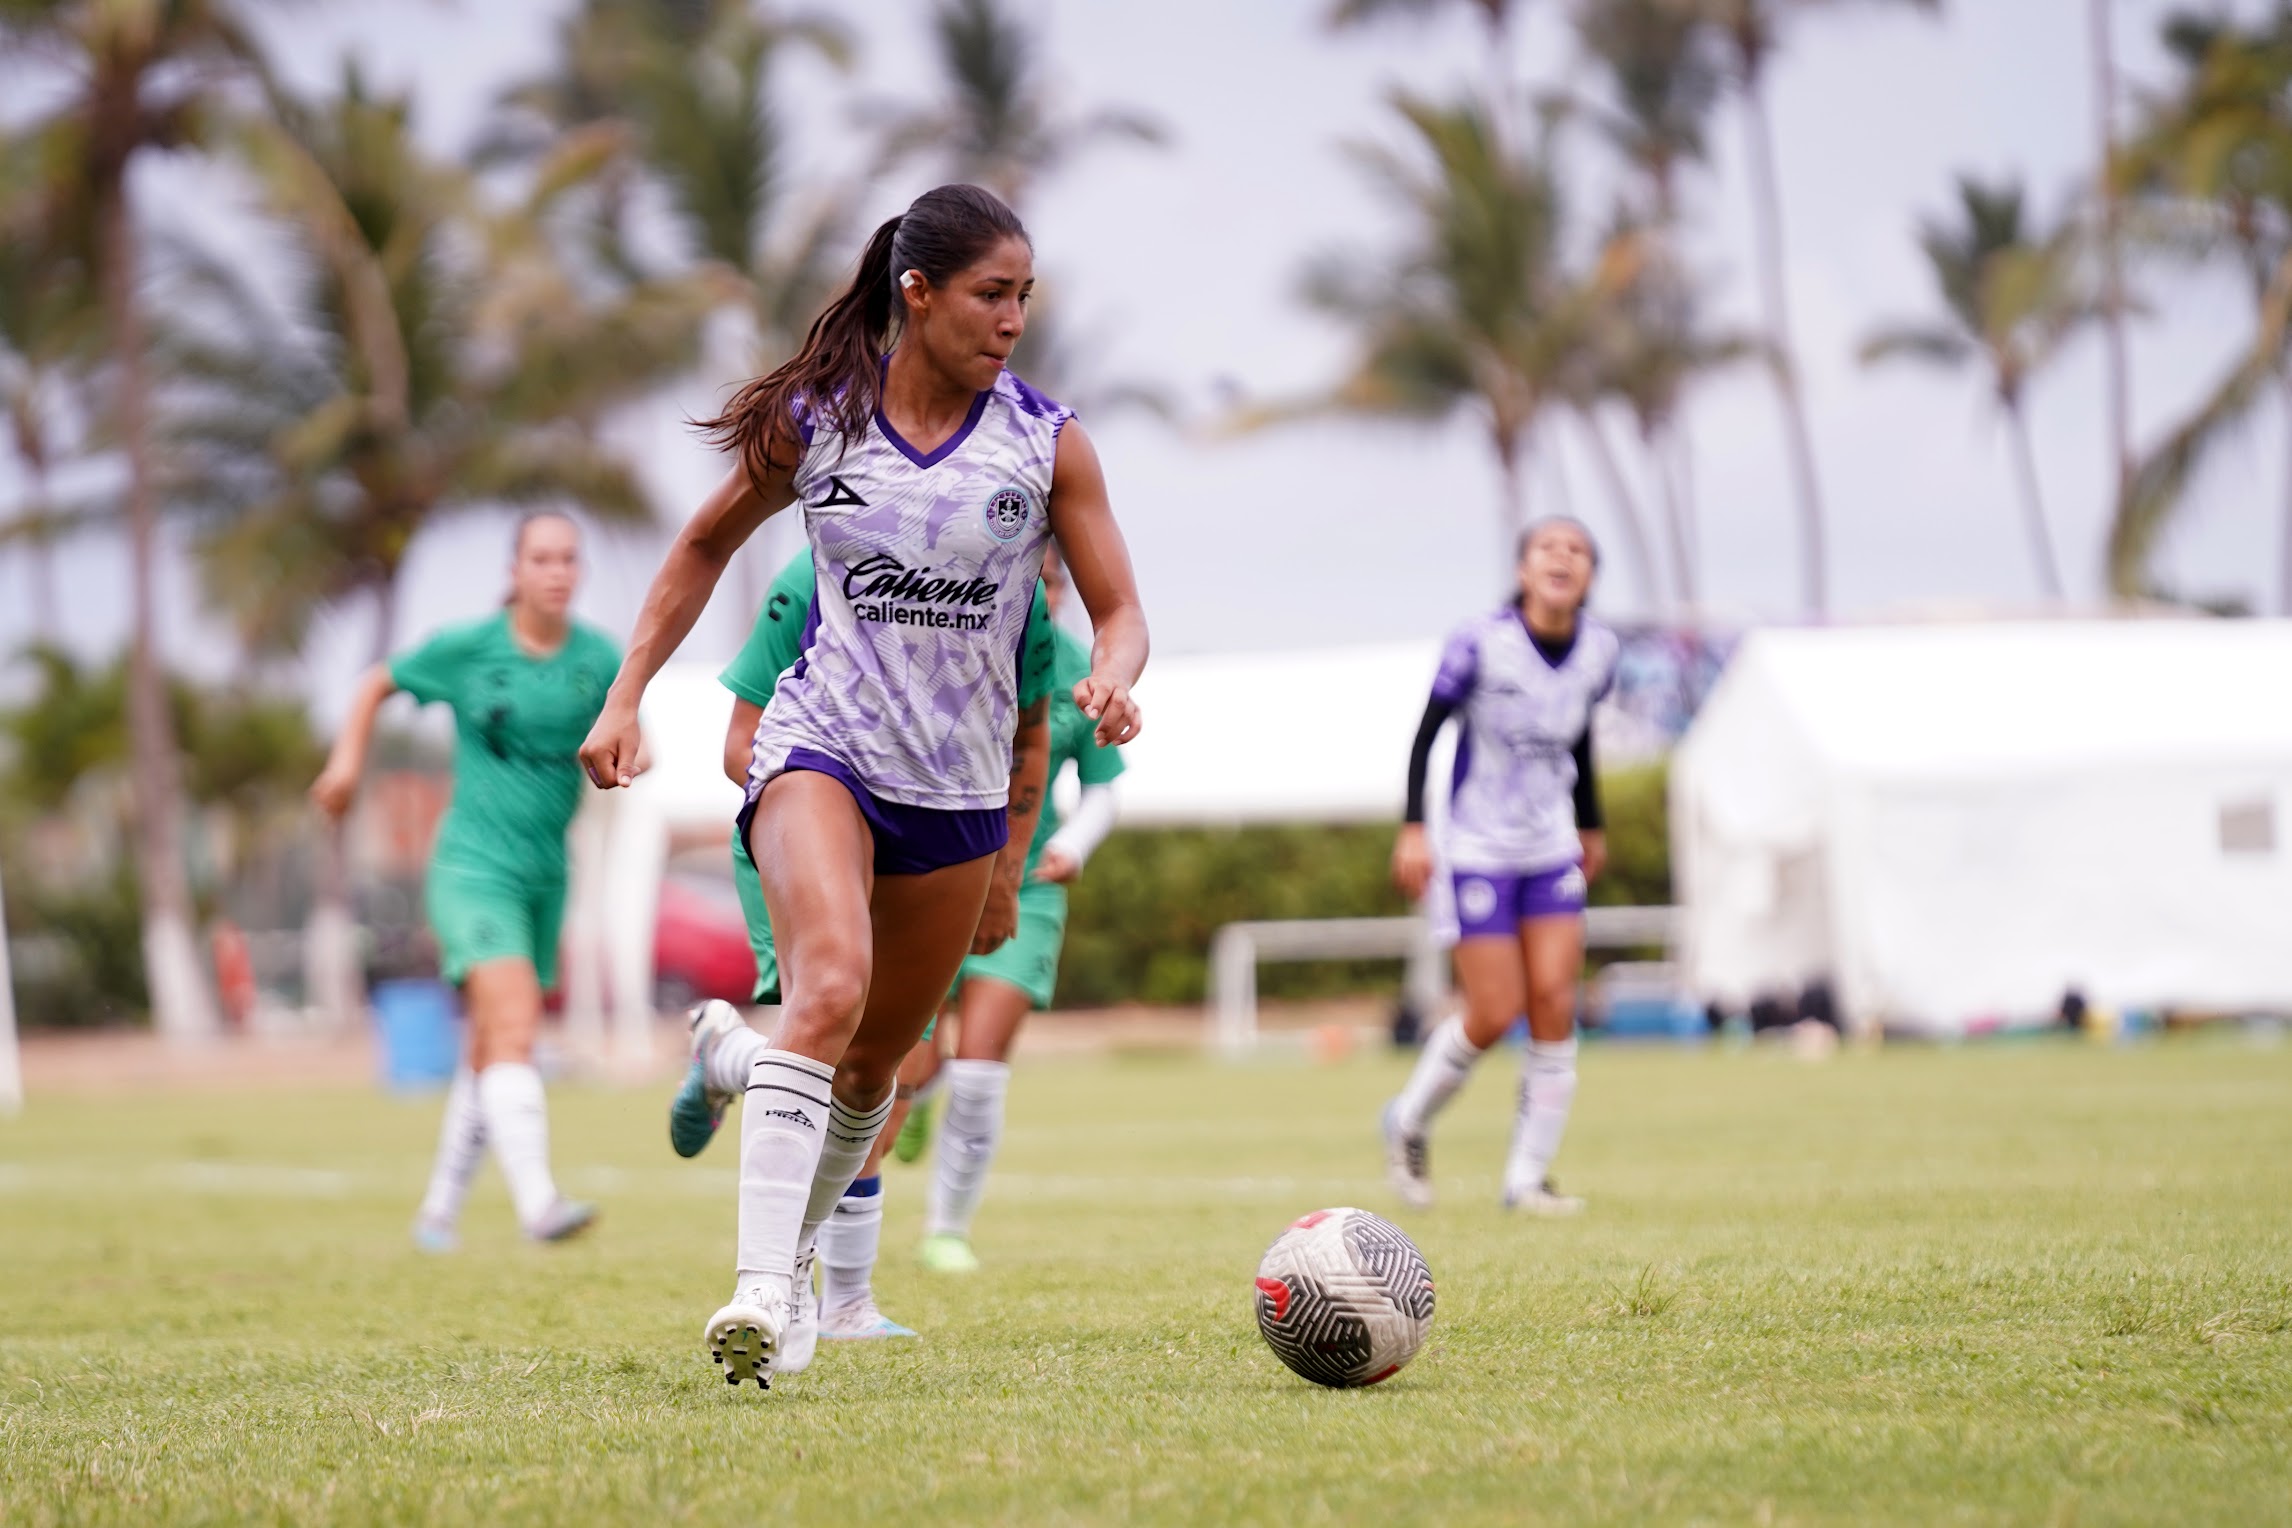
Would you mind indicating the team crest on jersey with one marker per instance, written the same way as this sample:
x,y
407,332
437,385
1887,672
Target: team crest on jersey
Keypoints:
x,y
1007,512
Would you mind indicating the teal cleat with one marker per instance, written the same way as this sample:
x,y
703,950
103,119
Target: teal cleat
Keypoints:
x,y
698,1110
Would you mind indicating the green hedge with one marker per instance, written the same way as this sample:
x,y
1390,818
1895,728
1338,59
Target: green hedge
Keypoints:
x,y
1143,916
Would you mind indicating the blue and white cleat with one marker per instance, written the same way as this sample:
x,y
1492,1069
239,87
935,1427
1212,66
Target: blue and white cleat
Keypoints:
x,y
698,1109
861,1323
745,1336
1408,1161
563,1221
436,1237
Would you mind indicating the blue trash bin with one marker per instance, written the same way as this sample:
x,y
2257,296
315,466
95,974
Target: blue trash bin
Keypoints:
x,y
420,1026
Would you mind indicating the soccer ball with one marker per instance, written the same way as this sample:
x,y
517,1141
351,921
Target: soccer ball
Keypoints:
x,y
1344,1298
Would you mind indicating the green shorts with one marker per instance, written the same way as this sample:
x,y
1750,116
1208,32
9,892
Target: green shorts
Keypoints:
x,y
1029,960
481,915
750,885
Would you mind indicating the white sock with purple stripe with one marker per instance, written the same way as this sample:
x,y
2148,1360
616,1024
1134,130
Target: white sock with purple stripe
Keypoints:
x,y
1547,1090
783,1124
1446,1061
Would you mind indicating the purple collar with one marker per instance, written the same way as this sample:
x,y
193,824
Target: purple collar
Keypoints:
x,y
945,447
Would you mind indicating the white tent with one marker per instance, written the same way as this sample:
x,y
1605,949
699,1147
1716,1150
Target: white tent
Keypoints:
x,y
1956,824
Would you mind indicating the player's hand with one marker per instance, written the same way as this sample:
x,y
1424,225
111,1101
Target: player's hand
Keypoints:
x,y
1108,704
334,789
1595,843
611,756
1412,861
999,920
1057,867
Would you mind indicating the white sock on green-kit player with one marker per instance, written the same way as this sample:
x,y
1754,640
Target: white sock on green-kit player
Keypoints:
x,y
1446,1061
1547,1090
516,1117
968,1139
732,1060
461,1147
849,1243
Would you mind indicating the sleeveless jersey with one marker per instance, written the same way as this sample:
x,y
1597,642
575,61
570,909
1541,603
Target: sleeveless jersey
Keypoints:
x,y
1512,810
925,566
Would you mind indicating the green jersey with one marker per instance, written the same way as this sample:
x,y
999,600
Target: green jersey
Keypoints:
x,y
519,721
1073,735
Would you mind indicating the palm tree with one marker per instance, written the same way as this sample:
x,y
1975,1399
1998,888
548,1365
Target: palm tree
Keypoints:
x,y
2011,296
1664,75
1496,16
998,125
432,360
138,73
2216,151
2112,247
50,332
1652,342
1477,310
1753,31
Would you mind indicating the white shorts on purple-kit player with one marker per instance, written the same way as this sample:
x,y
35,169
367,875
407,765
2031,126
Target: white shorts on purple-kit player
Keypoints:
x,y
907,687
1492,906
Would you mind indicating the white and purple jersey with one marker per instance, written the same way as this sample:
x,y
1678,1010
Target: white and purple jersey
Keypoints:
x,y
1512,809
926,566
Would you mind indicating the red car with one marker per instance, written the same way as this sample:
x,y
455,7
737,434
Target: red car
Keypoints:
x,y
700,944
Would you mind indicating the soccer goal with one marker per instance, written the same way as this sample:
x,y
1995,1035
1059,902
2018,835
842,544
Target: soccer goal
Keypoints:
x,y
1239,948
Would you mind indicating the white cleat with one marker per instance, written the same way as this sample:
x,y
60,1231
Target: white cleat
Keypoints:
x,y
1408,1164
801,1339
1543,1199
745,1336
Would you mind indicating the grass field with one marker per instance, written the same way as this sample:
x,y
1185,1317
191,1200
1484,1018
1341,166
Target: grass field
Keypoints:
x,y
2013,1284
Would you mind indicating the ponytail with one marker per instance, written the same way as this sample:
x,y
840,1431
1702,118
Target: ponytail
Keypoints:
x,y
835,382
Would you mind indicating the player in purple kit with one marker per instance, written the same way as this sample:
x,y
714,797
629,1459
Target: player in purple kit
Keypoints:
x,y
1523,838
879,790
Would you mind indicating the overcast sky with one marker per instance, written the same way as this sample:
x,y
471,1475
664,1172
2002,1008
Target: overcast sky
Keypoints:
x,y
1185,263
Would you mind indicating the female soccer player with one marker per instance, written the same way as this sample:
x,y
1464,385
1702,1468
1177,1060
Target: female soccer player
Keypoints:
x,y
1524,836
1000,988
526,684
724,1048
879,786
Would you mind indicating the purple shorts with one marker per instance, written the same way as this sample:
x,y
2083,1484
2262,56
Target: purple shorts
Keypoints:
x,y
909,840
1493,906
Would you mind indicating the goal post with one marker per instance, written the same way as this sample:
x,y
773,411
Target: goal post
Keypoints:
x,y
1238,949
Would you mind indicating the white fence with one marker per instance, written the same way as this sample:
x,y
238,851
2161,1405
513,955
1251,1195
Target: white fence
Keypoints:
x,y
1239,948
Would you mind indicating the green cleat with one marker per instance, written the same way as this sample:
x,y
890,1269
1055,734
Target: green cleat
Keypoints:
x,y
945,1252
914,1137
697,1110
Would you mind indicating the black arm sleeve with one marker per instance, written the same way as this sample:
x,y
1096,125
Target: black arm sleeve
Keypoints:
x,y
1588,815
1437,711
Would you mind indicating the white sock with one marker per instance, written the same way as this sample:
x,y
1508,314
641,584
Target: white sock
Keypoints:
x,y
1447,1060
733,1061
848,1244
851,1136
517,1125
461,1147
968,1138
782,1123
1547,1088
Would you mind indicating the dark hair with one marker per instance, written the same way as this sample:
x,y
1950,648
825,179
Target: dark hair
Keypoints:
x,y
836,380
1519,600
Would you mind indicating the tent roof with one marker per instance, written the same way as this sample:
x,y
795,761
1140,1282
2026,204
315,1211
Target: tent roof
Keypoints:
x,y
1987,699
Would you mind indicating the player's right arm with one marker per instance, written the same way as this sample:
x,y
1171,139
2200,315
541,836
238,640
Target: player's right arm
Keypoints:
x,y
1412,851
679,592
337,784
